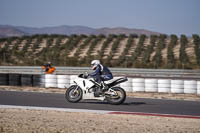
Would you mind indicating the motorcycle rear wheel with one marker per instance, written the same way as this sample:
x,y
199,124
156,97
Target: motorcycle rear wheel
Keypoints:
x,y
73,96
117,99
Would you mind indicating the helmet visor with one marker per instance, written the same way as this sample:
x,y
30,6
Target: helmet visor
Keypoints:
x,y
93,66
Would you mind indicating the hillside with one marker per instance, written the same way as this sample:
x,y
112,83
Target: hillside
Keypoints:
x,y
113,50
126,31
69,30
9,31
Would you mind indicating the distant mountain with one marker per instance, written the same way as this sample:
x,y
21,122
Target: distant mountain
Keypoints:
x,y
66,30
122,30
6,30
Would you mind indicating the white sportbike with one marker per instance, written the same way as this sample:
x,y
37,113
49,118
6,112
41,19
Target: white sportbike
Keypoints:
x,y
84,87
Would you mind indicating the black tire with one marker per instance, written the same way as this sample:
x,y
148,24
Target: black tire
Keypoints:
x,y
118,99
3,76
3,79
38,81
15,79
73,96
26,80
38,78
3,82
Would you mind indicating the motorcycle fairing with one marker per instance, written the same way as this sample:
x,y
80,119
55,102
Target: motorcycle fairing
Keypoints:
x,y
117,81
84,83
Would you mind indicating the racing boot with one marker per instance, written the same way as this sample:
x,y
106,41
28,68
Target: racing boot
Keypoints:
x,y
104,87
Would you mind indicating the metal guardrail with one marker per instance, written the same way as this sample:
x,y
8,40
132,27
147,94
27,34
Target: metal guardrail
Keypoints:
x,y
129,72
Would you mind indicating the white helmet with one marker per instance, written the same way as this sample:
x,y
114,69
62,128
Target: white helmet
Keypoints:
x,y
94,64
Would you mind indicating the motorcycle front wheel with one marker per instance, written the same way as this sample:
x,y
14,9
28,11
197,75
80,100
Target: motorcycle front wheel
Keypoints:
x,y
73,94
118,97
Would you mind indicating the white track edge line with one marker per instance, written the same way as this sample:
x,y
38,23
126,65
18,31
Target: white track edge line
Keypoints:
x,y
84,110
56,109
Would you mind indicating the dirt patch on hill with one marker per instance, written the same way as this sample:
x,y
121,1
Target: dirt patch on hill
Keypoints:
x,y
40,121
189,97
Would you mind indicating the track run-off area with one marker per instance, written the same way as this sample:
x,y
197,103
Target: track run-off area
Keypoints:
x,y
134,106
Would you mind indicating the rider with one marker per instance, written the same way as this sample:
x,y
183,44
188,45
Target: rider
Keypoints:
x,y
48,68
101,73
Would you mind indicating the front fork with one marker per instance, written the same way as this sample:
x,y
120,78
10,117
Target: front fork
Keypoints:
x,y
75,90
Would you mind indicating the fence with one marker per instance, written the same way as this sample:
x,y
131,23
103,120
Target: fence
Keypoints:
x,y
129,72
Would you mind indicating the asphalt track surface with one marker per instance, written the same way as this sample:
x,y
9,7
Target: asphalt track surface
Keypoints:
x,y
174,107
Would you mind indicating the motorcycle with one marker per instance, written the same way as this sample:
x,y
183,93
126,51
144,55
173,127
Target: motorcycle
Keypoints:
x,y
84,87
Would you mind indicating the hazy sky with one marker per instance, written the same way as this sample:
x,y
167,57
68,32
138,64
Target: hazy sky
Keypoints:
x,y
165,16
